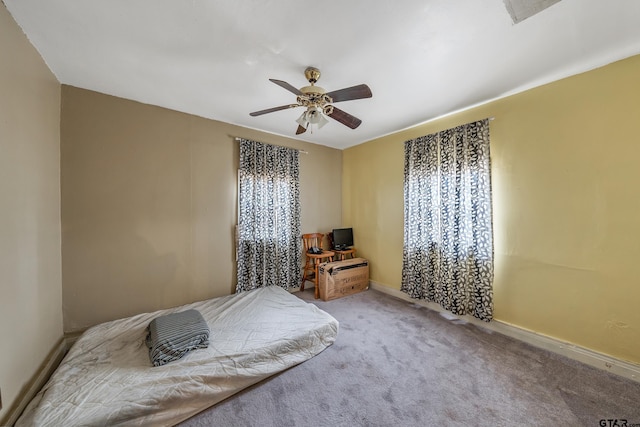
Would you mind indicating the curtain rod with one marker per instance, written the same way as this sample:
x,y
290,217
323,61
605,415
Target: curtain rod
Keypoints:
x,y
237,138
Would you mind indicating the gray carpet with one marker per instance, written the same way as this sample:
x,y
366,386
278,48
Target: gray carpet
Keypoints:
x,y
399,364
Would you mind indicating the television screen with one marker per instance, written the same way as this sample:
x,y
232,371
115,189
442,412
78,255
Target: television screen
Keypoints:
x,y
342,238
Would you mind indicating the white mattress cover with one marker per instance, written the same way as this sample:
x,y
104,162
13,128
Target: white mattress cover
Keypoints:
x,y
107,378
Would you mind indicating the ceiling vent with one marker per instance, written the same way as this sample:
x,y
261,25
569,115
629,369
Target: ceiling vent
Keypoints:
x,y
523,9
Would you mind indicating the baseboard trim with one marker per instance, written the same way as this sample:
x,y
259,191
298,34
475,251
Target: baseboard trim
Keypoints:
x,y
602,361
36,383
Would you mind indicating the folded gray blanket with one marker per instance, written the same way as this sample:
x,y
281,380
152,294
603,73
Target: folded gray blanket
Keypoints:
x,y
173,335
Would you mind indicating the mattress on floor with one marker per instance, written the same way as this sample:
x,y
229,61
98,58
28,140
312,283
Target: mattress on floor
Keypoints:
x,y
107,377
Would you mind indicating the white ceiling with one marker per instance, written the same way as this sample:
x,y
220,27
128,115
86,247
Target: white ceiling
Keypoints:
x,y
422,59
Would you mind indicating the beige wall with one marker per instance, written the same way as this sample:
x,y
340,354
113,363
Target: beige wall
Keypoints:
x,y
566,191
30,278
149,204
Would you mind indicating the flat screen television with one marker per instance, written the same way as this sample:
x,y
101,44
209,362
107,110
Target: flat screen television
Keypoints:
x,y
342,238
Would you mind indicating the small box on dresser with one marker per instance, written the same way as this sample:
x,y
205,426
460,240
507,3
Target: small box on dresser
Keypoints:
x,y
341,278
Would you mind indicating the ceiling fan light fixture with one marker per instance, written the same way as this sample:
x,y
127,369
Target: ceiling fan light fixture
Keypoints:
x,y
323,121
312,116
302,120
315,117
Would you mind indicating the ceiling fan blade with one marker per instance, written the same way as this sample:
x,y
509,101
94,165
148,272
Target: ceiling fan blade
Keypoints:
x,y
271,110
300,130
353,92
345,118
287,86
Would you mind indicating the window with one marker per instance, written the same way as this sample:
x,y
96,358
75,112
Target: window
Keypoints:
x,y
269,245
448,232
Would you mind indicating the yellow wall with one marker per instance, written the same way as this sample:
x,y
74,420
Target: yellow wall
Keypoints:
x,y
566,196
30,278
149,205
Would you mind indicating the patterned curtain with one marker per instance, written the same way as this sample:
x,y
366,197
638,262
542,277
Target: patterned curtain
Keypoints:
x,y
448,233
269,245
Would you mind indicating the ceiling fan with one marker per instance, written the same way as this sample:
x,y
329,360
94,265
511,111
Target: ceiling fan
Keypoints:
x,y
319,103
